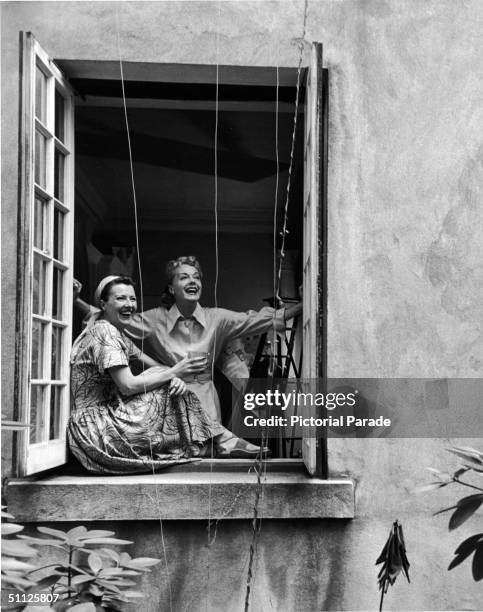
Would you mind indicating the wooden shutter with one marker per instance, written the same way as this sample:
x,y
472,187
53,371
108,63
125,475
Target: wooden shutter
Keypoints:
x,y
314,248
44,307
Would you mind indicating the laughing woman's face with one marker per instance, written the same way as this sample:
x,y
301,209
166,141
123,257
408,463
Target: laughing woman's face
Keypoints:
x,y
120,305
186,285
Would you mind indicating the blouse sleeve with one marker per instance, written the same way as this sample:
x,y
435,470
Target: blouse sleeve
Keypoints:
x,y
142,325
251,323
108,348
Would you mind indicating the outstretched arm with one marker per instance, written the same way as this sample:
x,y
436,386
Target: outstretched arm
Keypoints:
x,y
240,324
79,303
292,311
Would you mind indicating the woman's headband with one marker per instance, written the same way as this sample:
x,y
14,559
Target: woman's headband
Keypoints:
x,y
100,288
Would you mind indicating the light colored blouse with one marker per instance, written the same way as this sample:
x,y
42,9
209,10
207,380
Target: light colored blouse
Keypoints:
x,y
168,337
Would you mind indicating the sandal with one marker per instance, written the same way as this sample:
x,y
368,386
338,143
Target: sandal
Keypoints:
x,y
241,450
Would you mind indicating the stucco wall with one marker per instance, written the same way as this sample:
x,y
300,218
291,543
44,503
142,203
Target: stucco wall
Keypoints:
x,y
405,262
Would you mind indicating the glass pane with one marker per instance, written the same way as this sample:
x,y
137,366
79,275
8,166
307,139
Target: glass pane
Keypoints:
x,y
57,293
40,224
40,94
55,405
37,412
40,161
56,371
38,335
38,286
59,115
59,175
59,218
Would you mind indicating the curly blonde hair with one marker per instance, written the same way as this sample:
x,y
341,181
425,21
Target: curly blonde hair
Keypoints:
x,y
190,260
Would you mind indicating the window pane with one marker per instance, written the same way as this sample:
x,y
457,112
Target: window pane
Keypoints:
x,y
59,115
38,335
59,175
40,94
55,406
57,293
57,337
38,286
40,224
40,162
59,218
37,412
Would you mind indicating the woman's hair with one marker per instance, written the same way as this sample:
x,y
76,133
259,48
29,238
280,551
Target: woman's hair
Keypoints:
x,y
190,260
118,280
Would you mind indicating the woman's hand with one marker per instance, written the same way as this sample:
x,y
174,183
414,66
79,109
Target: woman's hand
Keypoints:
x,y
77,288
190,365
177,386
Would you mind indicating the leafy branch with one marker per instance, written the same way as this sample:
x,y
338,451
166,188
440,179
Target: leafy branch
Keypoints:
x,y
472,461
101,578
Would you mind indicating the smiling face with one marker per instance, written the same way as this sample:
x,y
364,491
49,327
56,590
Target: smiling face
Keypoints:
x,y
186,284
119,305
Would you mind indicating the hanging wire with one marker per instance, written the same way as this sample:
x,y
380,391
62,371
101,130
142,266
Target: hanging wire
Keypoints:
x,y
260,464
211,539
136,225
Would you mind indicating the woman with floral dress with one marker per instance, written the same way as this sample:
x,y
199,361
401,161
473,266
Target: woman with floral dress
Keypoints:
x,y
125,423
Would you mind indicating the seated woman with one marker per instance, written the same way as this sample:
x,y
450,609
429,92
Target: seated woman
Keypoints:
x,y
124,423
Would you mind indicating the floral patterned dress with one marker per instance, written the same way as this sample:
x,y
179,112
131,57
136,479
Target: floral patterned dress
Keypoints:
x,y
113,434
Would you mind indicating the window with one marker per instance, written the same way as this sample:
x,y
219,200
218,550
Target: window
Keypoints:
x,y
47,256
45,313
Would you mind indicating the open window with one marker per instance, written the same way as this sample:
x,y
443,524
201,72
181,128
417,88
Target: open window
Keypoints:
x,y
44,320
171,120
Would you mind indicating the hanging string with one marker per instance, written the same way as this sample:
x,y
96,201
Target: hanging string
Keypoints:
x,y
215,289
260,464
136,226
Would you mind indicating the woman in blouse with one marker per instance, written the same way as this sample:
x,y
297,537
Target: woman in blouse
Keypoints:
x,y
189,328
125,423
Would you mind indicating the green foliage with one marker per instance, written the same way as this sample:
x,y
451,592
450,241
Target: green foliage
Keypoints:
x,y
91,579
472,461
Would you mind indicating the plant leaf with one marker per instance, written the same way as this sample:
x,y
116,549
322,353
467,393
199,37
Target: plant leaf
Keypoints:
x,y
53,532
81,578
118,571
473,459
477,565
98,533
95,562
10,563
9,528
466,508
87,606
76,532
17,580
468,451
469,543
144,562
105,541
17,548
44,583
109,553
42,541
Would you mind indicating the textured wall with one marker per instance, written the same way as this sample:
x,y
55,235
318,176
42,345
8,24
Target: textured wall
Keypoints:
x,y
405,260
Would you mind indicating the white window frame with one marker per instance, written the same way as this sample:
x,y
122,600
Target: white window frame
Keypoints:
x,y
39,448
314,313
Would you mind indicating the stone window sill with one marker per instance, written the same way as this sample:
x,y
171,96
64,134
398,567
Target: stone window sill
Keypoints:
x,y
218,490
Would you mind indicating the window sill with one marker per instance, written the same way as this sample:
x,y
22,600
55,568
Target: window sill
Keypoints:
x,y
219,490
